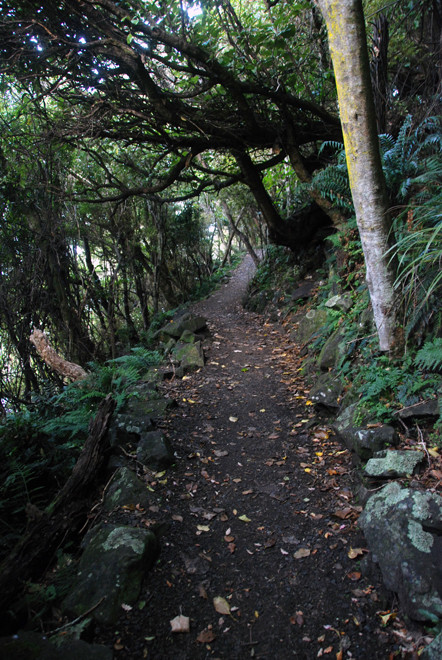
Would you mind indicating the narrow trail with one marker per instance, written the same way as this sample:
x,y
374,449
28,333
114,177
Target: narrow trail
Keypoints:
x,y
259,512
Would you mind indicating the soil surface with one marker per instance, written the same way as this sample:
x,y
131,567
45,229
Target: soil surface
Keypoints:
x,y
260,514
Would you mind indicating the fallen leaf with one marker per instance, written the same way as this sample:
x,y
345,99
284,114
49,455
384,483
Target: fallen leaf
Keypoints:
x,y
244,518
233,419
202,591
354,576
177,517
297,618
203,528
342,513
247,492
229,539
386,617
180,624
355,552
433,451
118,646
221,605
302,552
231,547
126,608
206,636
219,453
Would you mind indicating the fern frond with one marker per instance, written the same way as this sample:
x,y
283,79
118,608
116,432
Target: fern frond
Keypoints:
x,y
430,355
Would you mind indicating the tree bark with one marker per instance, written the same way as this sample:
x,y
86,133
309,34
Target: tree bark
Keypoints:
x,y
53,360
348,47
241,234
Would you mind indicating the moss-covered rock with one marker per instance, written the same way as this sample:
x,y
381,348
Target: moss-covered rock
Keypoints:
x,y
392,464
125,489
310,325
155,451
111,571
403,529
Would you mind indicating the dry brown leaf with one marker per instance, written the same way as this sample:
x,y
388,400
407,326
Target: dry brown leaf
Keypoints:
x,y
342,513
302,552
206,636
354,576
231,547
355,552
221,605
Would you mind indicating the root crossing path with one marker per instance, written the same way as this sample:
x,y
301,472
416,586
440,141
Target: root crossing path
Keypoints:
x,y
261,549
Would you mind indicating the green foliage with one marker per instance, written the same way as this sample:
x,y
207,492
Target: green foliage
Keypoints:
x,y
332,181
418,227
38,449
430,355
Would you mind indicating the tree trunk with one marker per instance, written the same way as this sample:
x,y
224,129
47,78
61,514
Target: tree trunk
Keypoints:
x,y
241,234
348,47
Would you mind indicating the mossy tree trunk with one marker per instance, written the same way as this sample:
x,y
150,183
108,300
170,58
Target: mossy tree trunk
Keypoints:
x,y
348,48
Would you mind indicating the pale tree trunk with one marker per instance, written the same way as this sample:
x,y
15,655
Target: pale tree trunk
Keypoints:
x,y
348,48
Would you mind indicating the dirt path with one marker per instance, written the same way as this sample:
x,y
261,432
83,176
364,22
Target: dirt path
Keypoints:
x,y
260,512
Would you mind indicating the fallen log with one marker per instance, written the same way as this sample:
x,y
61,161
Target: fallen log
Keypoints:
x,y
53,359
64,517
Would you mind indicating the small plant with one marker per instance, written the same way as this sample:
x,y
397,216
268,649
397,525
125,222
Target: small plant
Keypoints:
x,y
430,355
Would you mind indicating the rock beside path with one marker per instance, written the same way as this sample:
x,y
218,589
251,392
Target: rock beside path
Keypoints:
x,y
403,529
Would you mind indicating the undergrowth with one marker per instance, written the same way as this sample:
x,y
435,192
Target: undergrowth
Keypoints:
x,y
39,446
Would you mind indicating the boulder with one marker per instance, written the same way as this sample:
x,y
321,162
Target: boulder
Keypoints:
x,y
326,393
393,464
342,302
111,571
155,450
305,290
125,489
362,439
403,528
434,650
186,322
28,645
333,349
423,410
127,429
190,356
310,325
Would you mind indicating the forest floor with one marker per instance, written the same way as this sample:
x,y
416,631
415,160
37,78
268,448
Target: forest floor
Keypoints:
x,y
261,549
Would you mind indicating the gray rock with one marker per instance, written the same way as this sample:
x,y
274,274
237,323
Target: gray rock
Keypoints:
x,y
111,570
423,410
188,337
393,464
434,650
190,356
403,530
127,429
125,489
186,322
304,290
342,302
359,438
28,645
310,325
326,393
332,350
155,451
